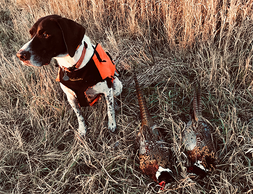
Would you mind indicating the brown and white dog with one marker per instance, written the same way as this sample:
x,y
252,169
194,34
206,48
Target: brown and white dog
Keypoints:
x,y
63,39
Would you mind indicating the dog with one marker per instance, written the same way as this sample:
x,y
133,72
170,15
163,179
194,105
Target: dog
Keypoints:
x,y
85,70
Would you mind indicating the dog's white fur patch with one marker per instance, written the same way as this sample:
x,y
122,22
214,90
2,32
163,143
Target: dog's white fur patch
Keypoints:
x,y
71,96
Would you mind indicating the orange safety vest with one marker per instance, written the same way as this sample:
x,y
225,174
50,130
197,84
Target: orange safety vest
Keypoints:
x,y
104,63
99,68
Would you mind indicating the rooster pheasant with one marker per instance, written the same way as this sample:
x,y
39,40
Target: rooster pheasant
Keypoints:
x,y
197,140
154,157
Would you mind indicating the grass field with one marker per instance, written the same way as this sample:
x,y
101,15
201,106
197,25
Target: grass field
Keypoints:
x,y
175,43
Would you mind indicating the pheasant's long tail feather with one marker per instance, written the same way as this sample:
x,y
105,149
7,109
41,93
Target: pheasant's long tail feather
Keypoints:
x,y
199,100
145,117
197,105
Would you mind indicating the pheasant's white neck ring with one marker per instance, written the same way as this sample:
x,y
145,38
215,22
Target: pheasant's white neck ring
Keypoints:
x,y
160,170
199,164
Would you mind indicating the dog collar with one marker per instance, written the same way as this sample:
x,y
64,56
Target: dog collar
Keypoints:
x,y
79,62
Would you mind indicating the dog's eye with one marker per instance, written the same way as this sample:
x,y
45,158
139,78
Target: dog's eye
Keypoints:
x,y
45,35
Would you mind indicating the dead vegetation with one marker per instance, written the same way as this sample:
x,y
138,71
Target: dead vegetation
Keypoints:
x,y
174,43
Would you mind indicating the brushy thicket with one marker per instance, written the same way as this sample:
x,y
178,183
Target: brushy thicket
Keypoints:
x,y
175,43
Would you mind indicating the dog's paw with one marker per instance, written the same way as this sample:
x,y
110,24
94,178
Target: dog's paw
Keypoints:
x,y
82,131
82,134
112,126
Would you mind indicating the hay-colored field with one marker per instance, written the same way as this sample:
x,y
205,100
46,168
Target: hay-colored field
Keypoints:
x,y
175,43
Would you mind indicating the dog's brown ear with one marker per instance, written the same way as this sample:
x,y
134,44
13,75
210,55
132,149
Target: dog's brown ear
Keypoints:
x,y
34,28
72,34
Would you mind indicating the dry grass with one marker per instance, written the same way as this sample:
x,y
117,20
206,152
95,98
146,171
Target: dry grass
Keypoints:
x,y
175,43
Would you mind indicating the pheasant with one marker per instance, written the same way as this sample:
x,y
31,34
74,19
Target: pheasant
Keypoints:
x,y
197,140
154,157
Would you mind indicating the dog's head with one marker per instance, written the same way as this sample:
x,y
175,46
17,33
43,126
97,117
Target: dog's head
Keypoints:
x,y
52,35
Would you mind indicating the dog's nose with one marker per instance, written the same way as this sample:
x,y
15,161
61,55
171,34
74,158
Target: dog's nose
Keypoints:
x,y
23,55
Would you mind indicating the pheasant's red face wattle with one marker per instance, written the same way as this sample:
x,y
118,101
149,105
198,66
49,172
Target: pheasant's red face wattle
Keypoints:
x,y
162,184
190,169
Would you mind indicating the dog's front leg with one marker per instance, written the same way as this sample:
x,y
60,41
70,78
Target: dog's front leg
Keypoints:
x,y
71,96
109,98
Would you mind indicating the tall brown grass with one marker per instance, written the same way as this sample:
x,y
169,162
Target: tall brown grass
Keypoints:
x,y
175,43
